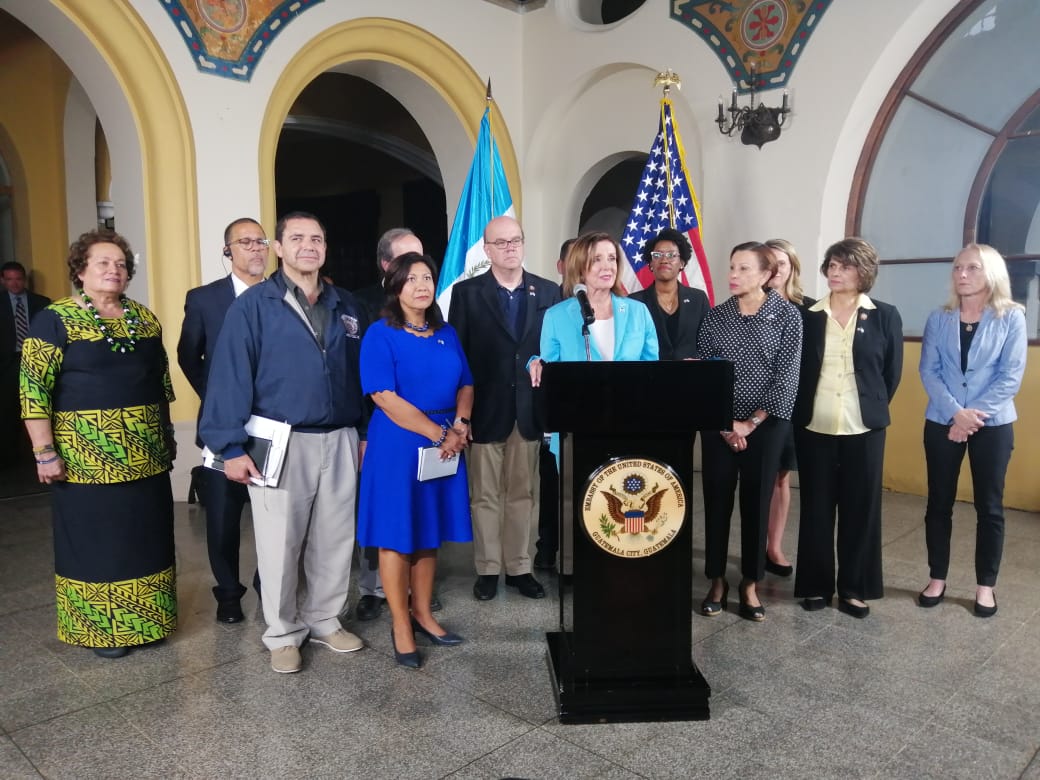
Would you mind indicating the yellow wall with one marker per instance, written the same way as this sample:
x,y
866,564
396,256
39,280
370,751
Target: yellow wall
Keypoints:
x,y
34,84
904,451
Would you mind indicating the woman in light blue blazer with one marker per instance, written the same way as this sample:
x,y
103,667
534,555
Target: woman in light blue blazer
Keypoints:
x,y
973,356
623,328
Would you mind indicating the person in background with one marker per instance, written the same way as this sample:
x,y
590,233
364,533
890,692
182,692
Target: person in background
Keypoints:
x,y
95,396
761,334
788,283
851,366
973,358
498,317
415,370
677,309
246,247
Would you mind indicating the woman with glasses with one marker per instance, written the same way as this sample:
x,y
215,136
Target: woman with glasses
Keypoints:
x,y
973,356
677,310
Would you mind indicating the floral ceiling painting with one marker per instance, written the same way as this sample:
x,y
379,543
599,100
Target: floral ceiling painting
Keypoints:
x,y
766,36
228,37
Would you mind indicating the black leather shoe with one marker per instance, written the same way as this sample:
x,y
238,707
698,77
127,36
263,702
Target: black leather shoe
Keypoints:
x,y
447,639
775,568
411,660
544,561
815,603
930,601
369,607
111,652
485,587
852,610
527,585
985,612
230,611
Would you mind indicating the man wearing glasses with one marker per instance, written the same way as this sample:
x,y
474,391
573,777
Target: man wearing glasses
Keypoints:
x,y
498,316
246,248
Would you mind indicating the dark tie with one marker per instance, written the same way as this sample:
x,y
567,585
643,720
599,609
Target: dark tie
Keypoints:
x,y
21,323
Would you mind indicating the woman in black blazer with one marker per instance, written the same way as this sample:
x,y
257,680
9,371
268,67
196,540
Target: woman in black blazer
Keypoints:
x,y
852,359
677,310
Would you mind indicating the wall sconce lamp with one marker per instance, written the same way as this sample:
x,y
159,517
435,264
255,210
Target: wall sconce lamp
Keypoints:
x,y
757,124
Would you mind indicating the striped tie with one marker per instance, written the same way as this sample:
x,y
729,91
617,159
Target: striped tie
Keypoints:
x,y
21,323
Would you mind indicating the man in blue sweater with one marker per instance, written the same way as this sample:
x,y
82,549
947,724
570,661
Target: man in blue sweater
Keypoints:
x,y
289,350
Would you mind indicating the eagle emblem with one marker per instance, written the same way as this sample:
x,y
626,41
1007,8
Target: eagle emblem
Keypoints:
x,y
633,507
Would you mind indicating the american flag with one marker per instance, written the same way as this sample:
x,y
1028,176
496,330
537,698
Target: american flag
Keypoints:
x,y
665,199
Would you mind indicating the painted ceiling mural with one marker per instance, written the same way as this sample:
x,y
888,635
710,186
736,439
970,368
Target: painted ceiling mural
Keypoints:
x,y
769,35
228,37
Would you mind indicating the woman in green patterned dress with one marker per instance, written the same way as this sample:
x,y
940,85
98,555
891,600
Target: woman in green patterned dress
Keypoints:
x,y
95,394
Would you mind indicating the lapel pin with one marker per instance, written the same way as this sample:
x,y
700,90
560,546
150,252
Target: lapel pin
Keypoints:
x,y
863,315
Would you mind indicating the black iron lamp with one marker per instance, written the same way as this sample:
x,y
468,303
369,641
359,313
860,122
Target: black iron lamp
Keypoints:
x,y
757,124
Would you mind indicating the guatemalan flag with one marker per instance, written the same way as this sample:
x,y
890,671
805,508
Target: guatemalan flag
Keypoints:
x,y
484,197
665,199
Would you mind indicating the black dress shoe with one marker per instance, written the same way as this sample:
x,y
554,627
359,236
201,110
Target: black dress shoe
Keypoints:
x,y
230,611
930,601
779,570
527,585
111,652
544,561
852,610
447,639
711,608
485,587
985,612
411,660
369,607
815,603
746,611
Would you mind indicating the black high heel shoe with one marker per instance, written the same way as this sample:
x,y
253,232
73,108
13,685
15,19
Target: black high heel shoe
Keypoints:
x,y
447,639
711,608
411,660
778,568
748,612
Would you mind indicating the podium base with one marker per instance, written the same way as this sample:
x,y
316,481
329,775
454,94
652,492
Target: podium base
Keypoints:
x,y
580,699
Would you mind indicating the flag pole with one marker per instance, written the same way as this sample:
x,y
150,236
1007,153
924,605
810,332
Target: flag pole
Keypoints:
x,y
666,79
491,146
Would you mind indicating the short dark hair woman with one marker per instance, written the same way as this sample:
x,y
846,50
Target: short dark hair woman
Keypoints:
x,y
973,357
414,368
95,395
851,366
677,310
761,334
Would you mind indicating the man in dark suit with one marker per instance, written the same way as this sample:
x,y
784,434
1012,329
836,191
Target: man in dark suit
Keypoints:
x,y
394,242
17,310
246,246
498,316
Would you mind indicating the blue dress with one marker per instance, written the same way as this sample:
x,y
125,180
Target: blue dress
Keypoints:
x,y
395,509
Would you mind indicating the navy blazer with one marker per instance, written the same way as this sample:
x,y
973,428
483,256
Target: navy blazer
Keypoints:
x,y
877,357
35,303
502,392
693,305
204,311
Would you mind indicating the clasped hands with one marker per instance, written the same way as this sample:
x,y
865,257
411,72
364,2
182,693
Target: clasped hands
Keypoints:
x,y
966,423
455,441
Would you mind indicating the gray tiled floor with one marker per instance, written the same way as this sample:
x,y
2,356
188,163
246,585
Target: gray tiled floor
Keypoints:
x,y
906,693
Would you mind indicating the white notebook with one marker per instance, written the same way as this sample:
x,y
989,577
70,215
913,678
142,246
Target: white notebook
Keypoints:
x,y
432,467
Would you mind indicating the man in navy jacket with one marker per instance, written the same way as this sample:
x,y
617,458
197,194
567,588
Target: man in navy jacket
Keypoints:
x,y
246,247
289,350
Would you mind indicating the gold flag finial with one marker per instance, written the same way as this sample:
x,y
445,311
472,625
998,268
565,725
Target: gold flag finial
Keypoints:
x,y
667,79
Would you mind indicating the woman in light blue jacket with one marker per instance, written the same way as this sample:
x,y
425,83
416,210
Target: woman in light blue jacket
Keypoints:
x,y
973,356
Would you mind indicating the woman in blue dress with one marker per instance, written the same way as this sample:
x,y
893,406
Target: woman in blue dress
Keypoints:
x,y
413,367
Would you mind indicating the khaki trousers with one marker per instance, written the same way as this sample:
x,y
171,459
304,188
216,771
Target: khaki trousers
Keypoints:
x,y
503,489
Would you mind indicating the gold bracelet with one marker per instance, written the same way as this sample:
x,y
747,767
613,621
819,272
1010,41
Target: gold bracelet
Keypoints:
x,y
44,448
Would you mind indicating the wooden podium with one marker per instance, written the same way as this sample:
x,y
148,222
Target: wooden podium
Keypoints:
x,y
623,651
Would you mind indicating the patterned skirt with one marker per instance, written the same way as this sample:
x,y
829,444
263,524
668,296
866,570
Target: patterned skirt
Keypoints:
x,y
114,562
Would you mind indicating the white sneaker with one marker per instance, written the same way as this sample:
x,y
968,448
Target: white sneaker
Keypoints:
x,y
286,660
339,641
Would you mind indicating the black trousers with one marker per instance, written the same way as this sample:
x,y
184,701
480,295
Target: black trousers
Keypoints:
x,y
840,478
549,505
224,500
756,469
989,452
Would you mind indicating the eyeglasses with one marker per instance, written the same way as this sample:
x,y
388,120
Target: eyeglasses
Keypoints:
x,y
511,243
251,243
664,255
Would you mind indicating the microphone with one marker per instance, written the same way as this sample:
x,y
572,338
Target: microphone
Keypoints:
x,y
581,292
